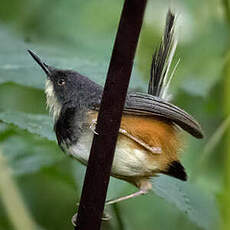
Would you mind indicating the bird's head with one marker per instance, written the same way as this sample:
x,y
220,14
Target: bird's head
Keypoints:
x,y
63,87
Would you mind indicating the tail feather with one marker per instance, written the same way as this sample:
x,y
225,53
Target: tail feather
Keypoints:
x,y
162,59
177,170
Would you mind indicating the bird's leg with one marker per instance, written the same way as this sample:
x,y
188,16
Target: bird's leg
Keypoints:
x,y
138,193
144,187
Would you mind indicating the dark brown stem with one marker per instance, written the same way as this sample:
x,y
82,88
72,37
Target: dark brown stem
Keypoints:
x,y
109,118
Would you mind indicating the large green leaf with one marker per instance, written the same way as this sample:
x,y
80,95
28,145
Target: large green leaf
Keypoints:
x,y
33,123
200,206
192,203
17,66
26,154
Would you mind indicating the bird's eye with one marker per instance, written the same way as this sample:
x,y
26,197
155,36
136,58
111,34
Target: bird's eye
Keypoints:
x,y
61,82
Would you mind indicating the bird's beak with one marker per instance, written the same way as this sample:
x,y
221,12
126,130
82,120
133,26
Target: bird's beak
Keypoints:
x,y
44,66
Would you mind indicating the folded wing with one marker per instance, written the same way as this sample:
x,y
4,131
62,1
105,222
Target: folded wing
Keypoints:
x,y
148,105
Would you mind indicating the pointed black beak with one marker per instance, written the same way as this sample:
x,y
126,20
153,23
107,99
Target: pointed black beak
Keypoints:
x,y
43,65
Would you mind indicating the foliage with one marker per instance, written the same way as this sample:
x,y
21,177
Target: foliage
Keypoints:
x,y
79,35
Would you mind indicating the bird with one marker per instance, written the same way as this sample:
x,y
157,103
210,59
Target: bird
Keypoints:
x,y
150,136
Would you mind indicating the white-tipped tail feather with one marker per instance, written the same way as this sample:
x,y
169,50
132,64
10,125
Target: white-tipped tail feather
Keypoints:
x,y
162,60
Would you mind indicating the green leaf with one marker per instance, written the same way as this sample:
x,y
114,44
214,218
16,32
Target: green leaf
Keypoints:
x,y
17,66
27,154
36,124
197,204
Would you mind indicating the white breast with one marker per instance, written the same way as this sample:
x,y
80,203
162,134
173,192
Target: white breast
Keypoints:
x,y
127,161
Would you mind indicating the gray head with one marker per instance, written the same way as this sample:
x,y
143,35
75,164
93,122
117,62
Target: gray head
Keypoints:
x,y
67,88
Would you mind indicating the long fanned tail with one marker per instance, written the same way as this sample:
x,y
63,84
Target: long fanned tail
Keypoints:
x,y
162,59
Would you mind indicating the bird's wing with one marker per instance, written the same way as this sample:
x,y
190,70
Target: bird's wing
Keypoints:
x,y
147,105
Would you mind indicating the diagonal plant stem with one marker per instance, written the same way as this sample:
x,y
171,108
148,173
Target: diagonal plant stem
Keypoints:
x,y
226,7
211,144
215,139
12,200
225,198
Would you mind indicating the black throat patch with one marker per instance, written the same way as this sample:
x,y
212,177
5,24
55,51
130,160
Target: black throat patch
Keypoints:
x,y
68,126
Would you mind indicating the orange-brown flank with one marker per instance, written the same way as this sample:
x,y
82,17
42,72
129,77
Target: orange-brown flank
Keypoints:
x,y
153,132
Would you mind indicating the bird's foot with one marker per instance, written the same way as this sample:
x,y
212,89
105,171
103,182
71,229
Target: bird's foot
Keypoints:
x,y
93,126
105,217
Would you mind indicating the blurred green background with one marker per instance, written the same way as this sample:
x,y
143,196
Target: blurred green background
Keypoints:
x,y
39,185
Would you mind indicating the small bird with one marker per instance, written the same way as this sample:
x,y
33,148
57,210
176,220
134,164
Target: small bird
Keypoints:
x,y
149,140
